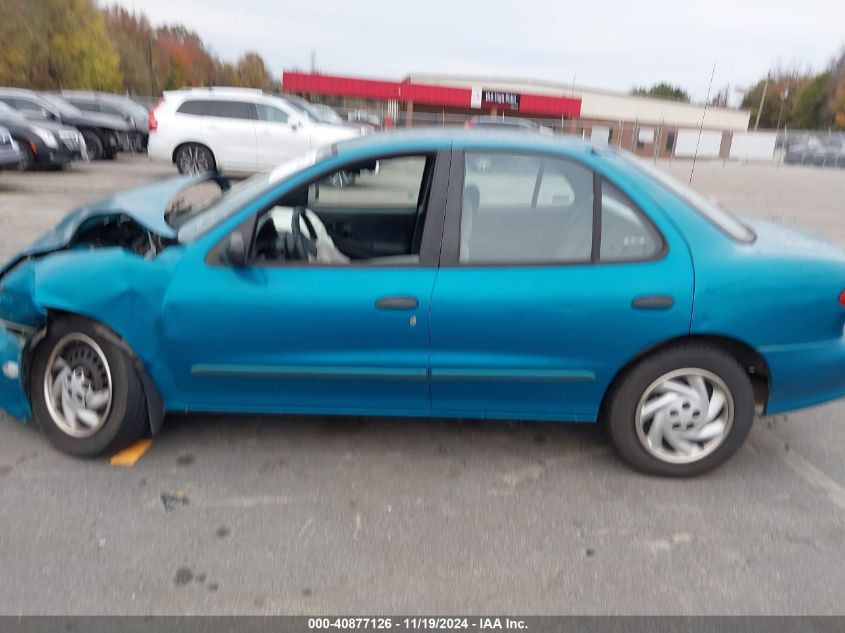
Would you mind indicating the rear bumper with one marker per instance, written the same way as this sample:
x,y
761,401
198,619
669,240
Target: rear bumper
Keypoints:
x,y
805,375
13,398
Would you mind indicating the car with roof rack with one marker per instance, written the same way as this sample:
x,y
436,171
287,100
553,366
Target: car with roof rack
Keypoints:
x,y
233,130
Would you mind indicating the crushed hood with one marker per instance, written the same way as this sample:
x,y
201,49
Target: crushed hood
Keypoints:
x,y
145,205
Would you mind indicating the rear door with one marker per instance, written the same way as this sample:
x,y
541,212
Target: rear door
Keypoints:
x,y
229,129
552,278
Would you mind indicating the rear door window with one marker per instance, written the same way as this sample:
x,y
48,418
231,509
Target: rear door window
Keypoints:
x,y
194,106
235,110
525,209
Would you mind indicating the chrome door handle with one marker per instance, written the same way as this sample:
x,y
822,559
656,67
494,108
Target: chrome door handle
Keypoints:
x,y
398,302
653,302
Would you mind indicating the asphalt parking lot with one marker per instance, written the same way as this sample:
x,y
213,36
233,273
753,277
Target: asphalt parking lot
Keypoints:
x,y
266,515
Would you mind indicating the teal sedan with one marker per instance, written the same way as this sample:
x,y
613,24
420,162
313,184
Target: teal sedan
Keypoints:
x,y
461,273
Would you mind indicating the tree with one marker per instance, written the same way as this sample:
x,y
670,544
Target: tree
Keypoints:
x,y
133,36
56,43
79,52
720,98
808,111
252,72
662,90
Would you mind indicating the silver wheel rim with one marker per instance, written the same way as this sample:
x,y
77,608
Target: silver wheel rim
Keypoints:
x,y
684,415
193,160
78,386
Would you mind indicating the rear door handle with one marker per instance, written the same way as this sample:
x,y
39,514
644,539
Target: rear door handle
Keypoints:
x,y
398,302
653,302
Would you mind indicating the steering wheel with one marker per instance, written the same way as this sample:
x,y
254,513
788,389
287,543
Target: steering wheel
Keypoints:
x,y
303,246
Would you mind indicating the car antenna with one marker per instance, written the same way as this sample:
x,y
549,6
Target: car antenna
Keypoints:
x,y
701,128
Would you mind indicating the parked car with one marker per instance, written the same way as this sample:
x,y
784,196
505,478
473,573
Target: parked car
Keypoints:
x,y
233,130
594,288
102,132
42,144
362,116
9,154
509,123
821,152
116,105
324,114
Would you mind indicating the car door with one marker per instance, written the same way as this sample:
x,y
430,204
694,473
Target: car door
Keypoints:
x,y
279,135
229,129
287,336
552,279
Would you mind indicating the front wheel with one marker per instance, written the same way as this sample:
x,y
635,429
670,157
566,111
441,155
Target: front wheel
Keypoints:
x,y
194,159
93,145
681,411
86,395
27,158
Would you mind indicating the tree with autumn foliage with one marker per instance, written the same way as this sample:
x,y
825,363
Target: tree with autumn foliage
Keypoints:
x,y
49,44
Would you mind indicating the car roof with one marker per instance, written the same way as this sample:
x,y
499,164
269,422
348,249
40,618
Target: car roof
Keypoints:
x,y
461,138
23,92
215,91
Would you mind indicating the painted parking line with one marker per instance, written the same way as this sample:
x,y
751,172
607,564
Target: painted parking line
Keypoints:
x,y
768,442
128,457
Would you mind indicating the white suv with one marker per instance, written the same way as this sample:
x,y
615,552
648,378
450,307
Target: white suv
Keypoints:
x,y
233,130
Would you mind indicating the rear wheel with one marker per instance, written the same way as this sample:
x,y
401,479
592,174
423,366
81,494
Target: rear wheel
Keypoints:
x,y
93,144
682,411
86,394
193,158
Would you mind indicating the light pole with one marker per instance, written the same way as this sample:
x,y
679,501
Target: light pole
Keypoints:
x,y
762,101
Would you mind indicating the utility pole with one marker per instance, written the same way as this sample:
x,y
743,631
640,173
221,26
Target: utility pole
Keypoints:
x,y
152,74
783,99
762,101
313,61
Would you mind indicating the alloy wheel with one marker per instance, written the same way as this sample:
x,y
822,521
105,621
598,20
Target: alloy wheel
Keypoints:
x,y
684,415
193,160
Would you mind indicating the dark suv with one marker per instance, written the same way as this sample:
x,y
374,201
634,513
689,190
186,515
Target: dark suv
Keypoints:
x,y
116,105
44,143
104,134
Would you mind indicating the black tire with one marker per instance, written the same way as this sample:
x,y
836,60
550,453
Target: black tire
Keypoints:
x,y
127,418
193,158
93,144
620,410
27,162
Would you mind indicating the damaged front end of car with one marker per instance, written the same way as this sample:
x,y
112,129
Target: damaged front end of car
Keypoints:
x,y
82,266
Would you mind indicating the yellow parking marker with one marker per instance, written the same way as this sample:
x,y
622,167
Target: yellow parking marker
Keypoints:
x,y
129,456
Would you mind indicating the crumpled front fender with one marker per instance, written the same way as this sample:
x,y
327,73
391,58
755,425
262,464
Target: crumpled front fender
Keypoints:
x,y
12,392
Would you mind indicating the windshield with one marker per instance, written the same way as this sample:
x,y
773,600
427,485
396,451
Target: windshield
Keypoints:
x,y
10,114
61,105
725,221
329,115
198,221
304,108
127,105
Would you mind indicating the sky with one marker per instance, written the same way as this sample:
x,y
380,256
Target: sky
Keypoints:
x,y
611,44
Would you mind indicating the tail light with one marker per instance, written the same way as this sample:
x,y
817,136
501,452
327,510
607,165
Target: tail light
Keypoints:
x,y
842,298
152,118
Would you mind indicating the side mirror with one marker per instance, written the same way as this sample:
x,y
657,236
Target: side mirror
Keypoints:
x,y
234,253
